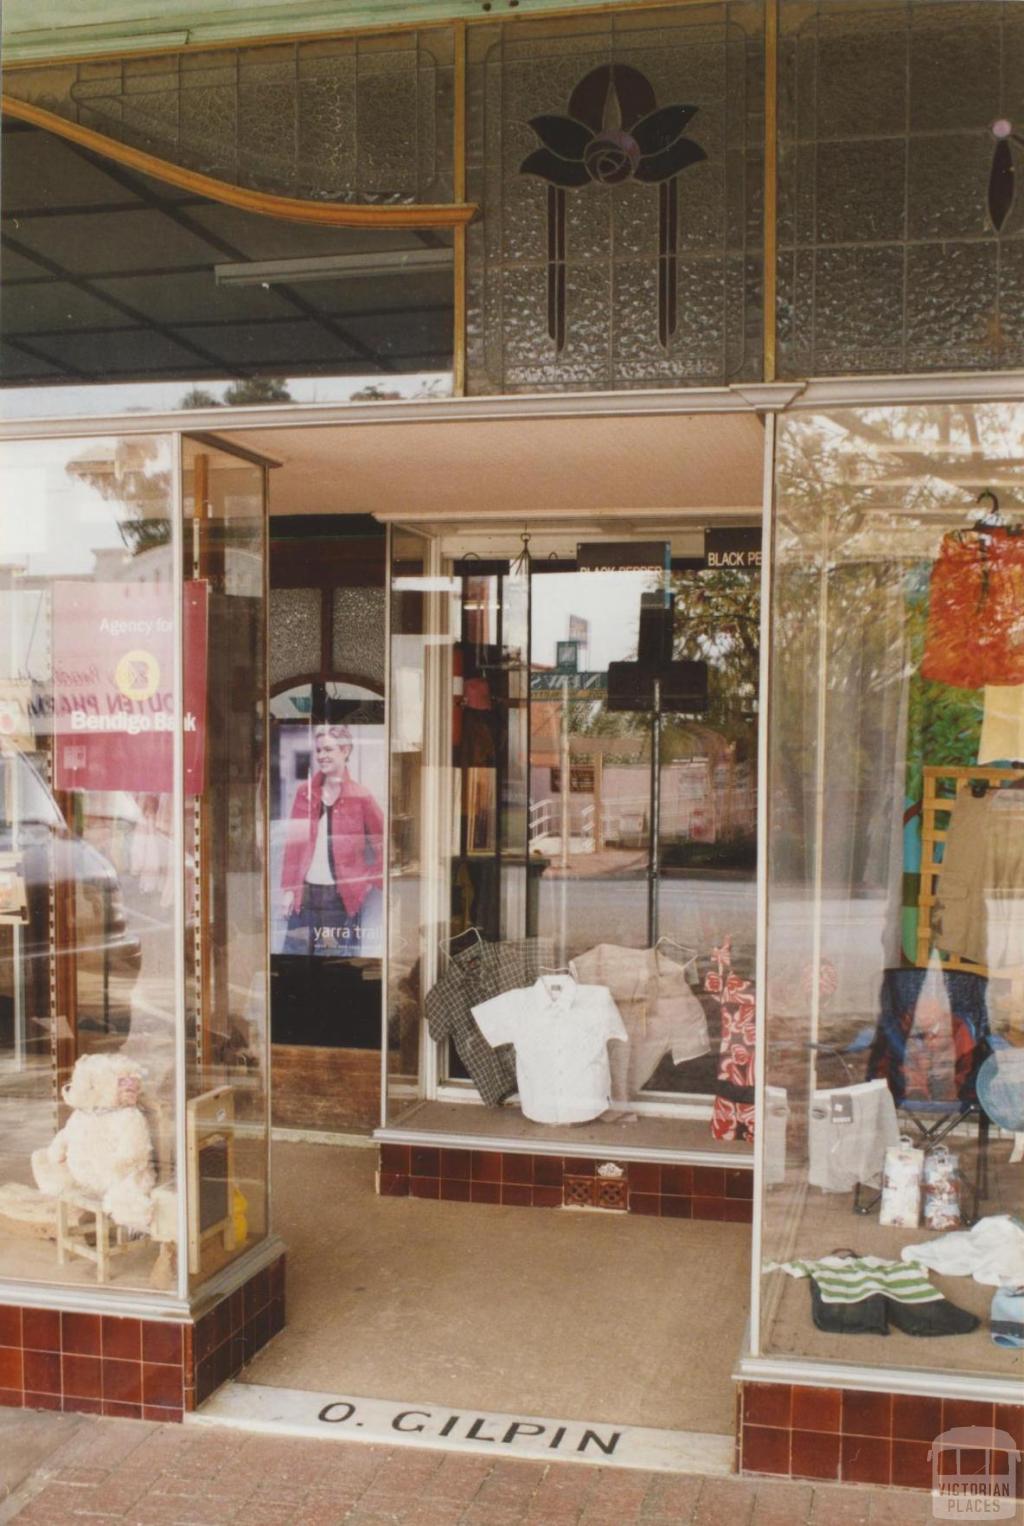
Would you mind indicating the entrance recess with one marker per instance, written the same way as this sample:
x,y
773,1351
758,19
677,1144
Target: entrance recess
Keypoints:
x,y
572,689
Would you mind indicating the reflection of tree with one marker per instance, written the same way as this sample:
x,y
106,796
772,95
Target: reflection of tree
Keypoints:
x,y
257,389
374,393
717,614
944,723
127,477
249,390
864,498
199,397
717,620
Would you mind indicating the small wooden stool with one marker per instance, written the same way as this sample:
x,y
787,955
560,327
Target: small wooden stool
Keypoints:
x,y
71,1238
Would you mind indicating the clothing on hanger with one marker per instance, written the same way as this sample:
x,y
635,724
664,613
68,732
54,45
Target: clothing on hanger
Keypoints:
x,y
975,631
475,974
979,895
1002,724
661,1014
732,1115
560,1030
843,1278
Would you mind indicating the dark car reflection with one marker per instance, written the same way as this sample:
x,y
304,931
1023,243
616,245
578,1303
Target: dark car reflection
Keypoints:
x,y
73,896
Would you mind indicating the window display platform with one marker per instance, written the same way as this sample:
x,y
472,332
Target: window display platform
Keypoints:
x,y
502,1310
685,1139
824,1222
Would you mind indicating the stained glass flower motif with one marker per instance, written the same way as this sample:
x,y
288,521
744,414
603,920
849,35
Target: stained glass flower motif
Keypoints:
x,y
1002,176
614,131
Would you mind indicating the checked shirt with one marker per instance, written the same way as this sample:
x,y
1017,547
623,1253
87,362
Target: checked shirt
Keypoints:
x,y
473,976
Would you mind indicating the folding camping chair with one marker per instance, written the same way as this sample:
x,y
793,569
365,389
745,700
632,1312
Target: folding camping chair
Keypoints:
x,y
900,1056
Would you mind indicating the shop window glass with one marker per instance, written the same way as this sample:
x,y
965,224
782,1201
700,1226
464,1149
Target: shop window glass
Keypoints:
x,y
122,292
360,118
573,794
226,1037
328,739
328,770
89,937
618,163
895,884
901,246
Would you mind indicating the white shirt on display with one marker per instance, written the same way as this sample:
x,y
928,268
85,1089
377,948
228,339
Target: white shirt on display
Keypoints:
x,y
560,1031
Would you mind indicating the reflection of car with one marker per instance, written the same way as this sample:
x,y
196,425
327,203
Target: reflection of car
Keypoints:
x,y
88,905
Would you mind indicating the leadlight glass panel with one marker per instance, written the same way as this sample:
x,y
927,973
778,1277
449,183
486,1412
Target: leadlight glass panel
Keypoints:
x,y
294,626
617,161
358,119
900,242
358,640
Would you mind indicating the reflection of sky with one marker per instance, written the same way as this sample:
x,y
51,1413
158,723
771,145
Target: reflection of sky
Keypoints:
x,y
610,601
54,521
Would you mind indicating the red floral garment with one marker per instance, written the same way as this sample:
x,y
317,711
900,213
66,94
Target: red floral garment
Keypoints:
x,y
733,1114
975,632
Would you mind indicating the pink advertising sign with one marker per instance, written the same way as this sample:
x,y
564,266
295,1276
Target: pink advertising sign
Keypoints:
x,y
114,702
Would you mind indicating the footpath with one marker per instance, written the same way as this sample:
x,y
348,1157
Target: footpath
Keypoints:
x,y
60,1469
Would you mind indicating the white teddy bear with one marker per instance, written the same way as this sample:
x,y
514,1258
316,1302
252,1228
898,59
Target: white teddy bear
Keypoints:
x,y
104,1149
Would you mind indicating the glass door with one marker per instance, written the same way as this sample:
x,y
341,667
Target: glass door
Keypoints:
x,y
573,754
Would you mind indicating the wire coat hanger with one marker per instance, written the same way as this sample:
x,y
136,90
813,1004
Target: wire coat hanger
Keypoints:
x,y
994,519
684,948
445,944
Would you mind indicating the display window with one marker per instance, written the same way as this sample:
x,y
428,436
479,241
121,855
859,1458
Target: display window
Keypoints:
x,y
894,1006
132,964
573,831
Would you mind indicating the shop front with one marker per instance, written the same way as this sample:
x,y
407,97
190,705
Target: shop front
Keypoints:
x,y
480,726
136,1244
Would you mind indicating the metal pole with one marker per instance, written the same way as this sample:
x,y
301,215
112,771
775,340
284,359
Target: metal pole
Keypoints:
x,y
654,860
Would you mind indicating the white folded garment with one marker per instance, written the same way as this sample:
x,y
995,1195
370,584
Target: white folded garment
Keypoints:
x,y
992,1252
849,1130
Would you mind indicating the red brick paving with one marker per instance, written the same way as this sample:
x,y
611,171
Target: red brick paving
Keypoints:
x,y
145,1474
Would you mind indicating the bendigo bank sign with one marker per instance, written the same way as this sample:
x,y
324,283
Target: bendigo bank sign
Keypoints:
x,y
115,709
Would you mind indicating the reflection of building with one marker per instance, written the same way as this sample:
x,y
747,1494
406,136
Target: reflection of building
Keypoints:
x,y
230,286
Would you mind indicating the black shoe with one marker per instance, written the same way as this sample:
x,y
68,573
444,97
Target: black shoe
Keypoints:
x,y
868,1317
939,1317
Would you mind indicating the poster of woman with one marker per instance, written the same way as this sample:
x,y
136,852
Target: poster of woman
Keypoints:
x,y
333,849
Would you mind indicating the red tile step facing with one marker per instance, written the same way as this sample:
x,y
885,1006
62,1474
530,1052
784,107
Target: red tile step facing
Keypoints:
x,y
138,1369
856,1437
521,1180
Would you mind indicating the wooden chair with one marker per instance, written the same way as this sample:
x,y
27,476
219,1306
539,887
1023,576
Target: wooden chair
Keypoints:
x,y
72,1234
210,1171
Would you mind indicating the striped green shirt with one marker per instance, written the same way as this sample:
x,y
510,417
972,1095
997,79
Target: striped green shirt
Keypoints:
x,y
850,1279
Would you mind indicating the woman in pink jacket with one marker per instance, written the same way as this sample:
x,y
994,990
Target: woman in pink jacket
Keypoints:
x,y
334,853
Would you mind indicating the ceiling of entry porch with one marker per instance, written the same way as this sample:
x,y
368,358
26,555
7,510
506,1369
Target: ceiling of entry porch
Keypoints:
x,y
639,466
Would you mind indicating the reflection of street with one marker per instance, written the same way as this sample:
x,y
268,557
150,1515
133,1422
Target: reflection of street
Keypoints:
x,y
580,913
699,913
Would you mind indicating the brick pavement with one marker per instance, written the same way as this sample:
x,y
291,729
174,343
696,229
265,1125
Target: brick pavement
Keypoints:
x,y
170,1475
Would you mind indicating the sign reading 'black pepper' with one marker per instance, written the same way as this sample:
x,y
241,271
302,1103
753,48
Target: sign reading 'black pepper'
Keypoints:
x,y
737,548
